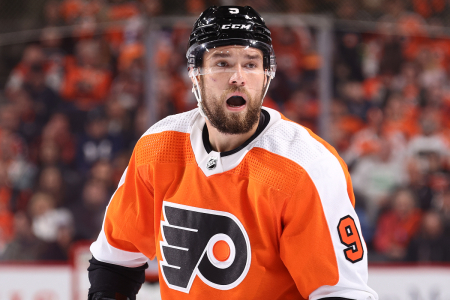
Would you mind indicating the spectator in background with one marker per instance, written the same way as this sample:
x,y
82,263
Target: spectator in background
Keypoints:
x,y
55,57
119,165
398,119
49,157
375,176
6,215
52,16
87,82
47,219
431,244
288,47
419,183
353,95
90,210
141,124
102,171
430,144
343,125
389,59
42,72
444,208
51,182
366,141
302,109
30,122
152,7
120,10
60,248
13,153
33,60
96,143
397,226
128,88
58,130
119,121
25,245
348,62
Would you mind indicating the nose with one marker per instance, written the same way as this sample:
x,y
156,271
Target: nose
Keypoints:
x,y
237,78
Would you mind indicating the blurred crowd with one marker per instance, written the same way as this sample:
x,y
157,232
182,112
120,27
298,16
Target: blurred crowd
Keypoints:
x,y
71,112
390,124
73,108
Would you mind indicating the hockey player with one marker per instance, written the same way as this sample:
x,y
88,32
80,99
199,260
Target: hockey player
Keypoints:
x,y
234,200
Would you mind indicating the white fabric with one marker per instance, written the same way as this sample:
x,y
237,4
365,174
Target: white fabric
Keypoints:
x,y
228,162
180,122
292,141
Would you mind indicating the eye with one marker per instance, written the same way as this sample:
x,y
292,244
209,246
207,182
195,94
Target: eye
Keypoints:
x,y
222,64
251,66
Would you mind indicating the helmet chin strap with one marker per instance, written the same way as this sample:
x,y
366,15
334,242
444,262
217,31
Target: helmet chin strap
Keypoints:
x,y
267,87
198,95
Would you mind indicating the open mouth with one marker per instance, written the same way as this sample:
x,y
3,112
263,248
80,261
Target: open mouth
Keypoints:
x,y
236,101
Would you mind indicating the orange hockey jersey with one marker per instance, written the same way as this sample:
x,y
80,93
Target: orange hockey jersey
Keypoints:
x,y
273,219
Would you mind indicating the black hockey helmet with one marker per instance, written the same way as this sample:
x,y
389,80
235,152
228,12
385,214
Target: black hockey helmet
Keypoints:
x,y
230,25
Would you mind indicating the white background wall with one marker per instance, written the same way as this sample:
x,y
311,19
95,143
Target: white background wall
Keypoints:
x,y
67,282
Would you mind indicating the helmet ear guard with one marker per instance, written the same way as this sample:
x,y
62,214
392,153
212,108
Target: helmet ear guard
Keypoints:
x,y
225,26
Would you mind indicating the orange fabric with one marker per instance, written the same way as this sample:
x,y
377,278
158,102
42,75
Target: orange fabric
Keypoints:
x,y
71,9
221,251
291,50
350,124
85,86
195,6
427,8
123,11
408,127
6,217
129,53
114,36
263,196
6,225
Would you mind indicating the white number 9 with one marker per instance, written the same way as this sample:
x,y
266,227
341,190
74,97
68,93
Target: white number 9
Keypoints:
x,y
234,10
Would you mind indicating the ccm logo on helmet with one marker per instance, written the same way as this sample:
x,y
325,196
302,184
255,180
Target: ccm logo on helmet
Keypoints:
x,y
212,245
237,26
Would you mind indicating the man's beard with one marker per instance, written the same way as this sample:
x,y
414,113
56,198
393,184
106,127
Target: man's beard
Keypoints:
x,y
228,122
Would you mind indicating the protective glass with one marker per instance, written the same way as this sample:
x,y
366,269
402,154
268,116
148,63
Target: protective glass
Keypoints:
x,y
200,56
222,65
235,63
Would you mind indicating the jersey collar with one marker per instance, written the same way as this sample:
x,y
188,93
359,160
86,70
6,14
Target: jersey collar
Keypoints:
x,y
212,162
263,122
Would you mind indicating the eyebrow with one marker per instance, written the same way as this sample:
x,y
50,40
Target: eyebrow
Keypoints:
x,y
254,56
220,54
225,55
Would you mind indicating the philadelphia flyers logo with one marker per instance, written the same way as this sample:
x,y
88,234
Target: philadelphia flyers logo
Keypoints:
x,y
212,245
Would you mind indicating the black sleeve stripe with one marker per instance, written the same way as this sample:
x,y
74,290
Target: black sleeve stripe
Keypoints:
x,y
106,277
